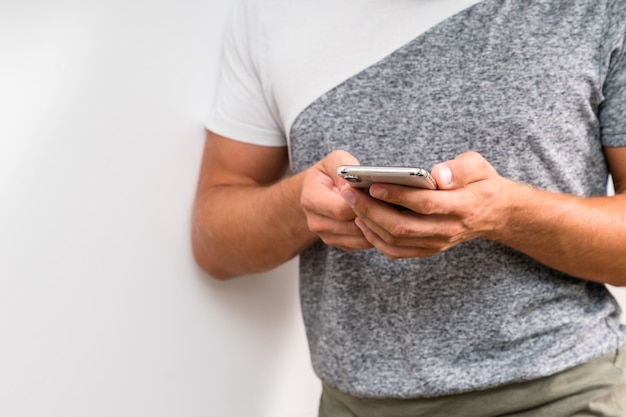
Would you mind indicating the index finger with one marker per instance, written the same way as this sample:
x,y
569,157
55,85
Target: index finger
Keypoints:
x,y
419,200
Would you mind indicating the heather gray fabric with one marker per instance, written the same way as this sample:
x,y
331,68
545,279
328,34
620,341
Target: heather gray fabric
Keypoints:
x,y
536,87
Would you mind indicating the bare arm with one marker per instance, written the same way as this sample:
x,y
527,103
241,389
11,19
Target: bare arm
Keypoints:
x,y
584,237
249,218
245,220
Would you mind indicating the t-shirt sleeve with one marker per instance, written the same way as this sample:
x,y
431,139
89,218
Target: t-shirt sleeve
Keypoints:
x,y
613,109
243,109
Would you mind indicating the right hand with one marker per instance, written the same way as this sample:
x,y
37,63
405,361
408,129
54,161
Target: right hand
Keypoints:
x,y
328,214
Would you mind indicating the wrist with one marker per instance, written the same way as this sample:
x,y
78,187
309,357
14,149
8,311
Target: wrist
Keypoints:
x,y
290,192
511,211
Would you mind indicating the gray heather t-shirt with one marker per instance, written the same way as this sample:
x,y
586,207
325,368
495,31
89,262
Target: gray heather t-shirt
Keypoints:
x,y
538,88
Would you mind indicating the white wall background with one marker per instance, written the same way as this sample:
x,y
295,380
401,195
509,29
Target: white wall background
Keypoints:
x,y
102,310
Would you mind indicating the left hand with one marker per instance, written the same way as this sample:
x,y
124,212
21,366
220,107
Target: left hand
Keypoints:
x,y
471,202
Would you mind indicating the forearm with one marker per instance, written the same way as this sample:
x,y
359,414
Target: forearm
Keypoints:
x,y
244,229
583,237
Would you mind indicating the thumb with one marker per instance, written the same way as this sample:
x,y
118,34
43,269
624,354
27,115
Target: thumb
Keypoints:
x,y
333,160
465,169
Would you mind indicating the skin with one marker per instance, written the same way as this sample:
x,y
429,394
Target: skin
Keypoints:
x,y
250,217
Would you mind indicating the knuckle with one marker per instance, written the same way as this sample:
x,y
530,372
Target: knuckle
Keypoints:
x,y
363,209
315,226
392,240
399,231
428,207
315,229
342,213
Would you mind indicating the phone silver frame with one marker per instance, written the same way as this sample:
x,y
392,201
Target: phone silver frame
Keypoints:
x,y
360,176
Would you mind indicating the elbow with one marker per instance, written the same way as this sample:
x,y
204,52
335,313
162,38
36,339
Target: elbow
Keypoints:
x,y
619,282
616,276
214,270
617,279
211,266
205,255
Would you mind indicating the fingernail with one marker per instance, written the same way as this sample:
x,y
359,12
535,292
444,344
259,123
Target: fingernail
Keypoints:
x,y
445,174
379,192
349,196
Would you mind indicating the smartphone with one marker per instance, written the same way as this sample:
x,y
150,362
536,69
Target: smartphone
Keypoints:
x,y
360,176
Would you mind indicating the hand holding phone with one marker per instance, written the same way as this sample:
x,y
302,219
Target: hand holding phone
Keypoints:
x,y
360,176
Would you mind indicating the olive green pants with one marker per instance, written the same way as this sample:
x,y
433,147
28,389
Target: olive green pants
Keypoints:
x,y
597,388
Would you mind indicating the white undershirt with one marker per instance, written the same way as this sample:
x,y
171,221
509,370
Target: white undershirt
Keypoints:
x,y
280,55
